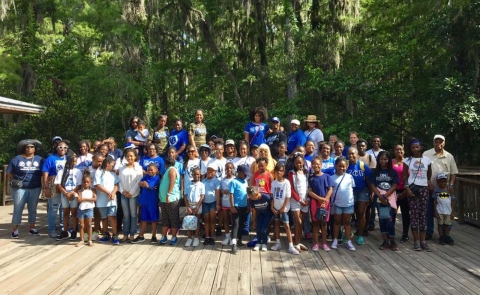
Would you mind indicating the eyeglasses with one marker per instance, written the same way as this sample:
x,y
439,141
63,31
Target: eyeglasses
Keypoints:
x,y
30,147
62,147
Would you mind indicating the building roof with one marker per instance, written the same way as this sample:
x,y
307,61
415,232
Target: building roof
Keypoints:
x,y
12,106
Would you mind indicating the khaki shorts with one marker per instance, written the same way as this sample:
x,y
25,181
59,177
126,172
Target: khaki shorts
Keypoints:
x,y
444,219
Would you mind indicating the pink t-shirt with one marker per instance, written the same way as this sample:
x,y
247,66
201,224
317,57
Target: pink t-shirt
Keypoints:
x,y
399,170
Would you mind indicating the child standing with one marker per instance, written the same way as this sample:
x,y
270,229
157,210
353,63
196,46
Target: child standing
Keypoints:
x,y
343,201
299,204
319,191
282,149
281,193
86,198
238,206
225,191
148,202
444,206
211,203
193,197
261,203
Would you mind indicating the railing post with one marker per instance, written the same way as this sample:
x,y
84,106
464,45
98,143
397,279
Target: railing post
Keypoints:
x,y
459,191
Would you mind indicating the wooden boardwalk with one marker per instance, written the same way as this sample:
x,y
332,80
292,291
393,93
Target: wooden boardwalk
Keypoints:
x,y
41,265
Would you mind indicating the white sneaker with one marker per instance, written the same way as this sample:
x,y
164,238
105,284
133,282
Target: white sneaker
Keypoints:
x,y
257,247
188,243
334,244
293,251
350,246
226,241
196,242
264,248
276,247
268,239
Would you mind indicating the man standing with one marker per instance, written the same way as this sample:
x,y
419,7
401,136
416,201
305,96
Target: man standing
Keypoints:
x,y
442,162
296,137
275,137
376,146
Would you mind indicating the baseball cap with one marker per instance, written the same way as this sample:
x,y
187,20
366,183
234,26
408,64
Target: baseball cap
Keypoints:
x,y
441,176
276,119
55,138
129,145
295,121
242,168
438,136
205,146
229,142
212,166
213,137
254,146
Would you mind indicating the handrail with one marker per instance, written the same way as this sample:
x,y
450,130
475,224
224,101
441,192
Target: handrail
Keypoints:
x,y
468,200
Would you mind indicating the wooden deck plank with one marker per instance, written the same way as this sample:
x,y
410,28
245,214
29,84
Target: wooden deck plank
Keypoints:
x,y
275,266
219,284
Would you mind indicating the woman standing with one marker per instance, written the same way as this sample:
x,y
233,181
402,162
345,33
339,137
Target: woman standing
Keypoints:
x,y
152,157
402,201
159,136
197,132
311,129
328,162
256,130
25,178
84,158
243,158
169,196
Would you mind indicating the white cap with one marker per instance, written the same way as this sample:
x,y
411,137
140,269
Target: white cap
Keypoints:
x,y
212,166
295,121
438,136
229,141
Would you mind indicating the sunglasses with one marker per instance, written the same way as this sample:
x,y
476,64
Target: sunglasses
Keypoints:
x,y
62,147
30,147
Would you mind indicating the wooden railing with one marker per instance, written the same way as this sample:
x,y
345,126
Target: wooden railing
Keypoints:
x,y
6,196
467,192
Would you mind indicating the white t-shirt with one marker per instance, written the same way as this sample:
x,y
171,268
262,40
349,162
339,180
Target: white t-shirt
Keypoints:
x,y
194,192
74,179
300,185
373,153
247,160
418,168
188,176
220,167
108,180
225,185
316,136
141,138
84,205
129,179
343,196
280,192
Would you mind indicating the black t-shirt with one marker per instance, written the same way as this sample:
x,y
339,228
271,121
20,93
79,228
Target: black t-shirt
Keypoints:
x,y
273,139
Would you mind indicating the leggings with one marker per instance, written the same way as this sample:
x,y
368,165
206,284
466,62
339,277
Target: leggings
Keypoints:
x,y
170,216
418,208
263,219
237,219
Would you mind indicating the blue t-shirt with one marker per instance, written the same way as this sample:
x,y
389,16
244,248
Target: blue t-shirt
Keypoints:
x,y
149,196
320,184
359,175
83,165
116,153
296,138
328,166
238,187
262,205
343,186
384,180
53,164
145,161
28,170
211,187
178,139
256,132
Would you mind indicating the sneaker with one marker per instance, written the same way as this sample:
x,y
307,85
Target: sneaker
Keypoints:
x,y
302,247
173,241
252,243
297,247
62,236
234,249
393,246
315,247
325,248
226,241
73,235
206,242
115,241
163,240
371,227
196,242
428,237
360,240
95,235
188,243
268,239
404,239
52,234
334,244
138,240
293,251
350,246
416,246
154,240
344,239
264,248
15,234
449,240
33,232
212,242
104,239
256,248
385,245
240,244
441,240
218,231
277,247
425,247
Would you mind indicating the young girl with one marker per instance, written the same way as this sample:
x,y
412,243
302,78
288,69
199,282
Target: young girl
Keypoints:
x,y
343,201
68,182
261,179
86,198
148,202
299,204
219,161
106,185
282,149
261,203
211,203
338,149
383,183
319,191
129,176
193,197
243,157
225,191
281,193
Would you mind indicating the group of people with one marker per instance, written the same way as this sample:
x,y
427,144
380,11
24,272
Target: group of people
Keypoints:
x,y
313,187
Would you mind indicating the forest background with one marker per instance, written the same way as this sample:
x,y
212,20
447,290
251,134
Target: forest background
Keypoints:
x,y
391,67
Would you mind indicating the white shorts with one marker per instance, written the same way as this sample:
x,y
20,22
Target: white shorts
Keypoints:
x,y
295,206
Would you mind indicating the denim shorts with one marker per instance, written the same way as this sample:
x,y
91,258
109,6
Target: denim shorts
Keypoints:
x,y
361,196
281,216
107,211
207,207
342,210
84,214
67,203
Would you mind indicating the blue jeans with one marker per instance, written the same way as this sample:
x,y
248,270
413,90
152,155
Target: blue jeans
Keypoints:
x,y
430,227
263,219
387,226
129,207
22,196
53,206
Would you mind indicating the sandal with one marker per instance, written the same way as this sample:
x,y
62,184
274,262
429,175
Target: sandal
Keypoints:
x,y
385,245
79,244
90,243
302,247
